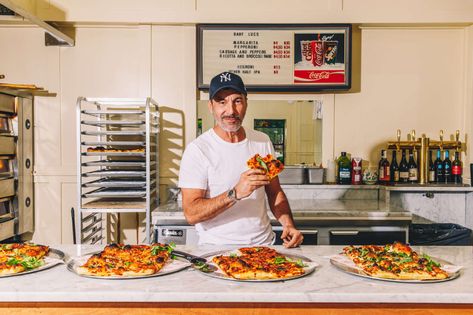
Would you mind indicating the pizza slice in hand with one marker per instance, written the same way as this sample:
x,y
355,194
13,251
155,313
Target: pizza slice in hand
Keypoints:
x,y
268,164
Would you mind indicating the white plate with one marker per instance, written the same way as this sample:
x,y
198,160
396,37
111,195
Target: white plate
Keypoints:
x,y
53,258
219,274
344,263
173,265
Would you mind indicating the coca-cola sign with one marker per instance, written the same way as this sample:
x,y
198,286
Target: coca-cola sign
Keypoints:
x,y
277,57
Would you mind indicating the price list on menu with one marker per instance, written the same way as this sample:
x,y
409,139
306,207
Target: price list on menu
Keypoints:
x,y
275,57
257,56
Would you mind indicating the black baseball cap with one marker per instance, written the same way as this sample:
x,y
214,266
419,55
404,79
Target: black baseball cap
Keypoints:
x,y
226,80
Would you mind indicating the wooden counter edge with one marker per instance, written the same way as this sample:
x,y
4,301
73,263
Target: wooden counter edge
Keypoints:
x,y
193,308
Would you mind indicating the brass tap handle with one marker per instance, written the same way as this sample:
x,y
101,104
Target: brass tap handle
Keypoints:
x,y
441,135
413,135
457,135
398,135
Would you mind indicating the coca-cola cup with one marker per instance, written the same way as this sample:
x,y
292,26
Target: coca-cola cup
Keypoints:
x,y
306,50
317,53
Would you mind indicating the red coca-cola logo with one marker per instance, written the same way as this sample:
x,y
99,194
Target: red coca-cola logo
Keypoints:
x,y
319,75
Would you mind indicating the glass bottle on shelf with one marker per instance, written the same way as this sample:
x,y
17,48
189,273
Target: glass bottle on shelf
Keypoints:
x,y
394,168
447,168
403,169
457,169
384,169
412,168
431,177
438,166
344,170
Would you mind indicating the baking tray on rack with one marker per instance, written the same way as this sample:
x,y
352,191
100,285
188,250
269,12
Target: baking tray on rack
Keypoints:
x,y
114,183
141,154
114,133
113,143
117,163
116,173
114,112
112,122
116,193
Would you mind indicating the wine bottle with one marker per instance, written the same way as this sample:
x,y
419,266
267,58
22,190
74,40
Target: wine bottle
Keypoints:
x,y
438,165
403,169
447,168
394,168
344,169
412,166
431,169
457,169
383,169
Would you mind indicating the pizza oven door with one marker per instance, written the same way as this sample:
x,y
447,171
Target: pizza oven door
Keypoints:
x,y
310,235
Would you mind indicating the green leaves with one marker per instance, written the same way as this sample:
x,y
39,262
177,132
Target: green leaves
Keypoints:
x,y
202,266
158,248
262,163
279,260
27,262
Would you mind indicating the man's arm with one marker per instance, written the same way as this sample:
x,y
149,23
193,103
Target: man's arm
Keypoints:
x,y
280,207
197,208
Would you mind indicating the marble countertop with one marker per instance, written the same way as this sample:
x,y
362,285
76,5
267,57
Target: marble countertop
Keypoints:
x,y
309,210
326,285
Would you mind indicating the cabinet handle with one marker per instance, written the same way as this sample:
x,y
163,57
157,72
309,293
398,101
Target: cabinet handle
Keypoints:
x,y
344,232
314,232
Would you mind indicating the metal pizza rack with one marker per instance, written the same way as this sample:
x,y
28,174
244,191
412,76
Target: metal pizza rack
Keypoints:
x,y
117,162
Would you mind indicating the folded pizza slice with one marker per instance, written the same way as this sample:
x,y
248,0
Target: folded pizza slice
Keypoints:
x,y
268,164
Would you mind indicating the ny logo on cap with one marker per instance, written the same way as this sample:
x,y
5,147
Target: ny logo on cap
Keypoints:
x,y
225,77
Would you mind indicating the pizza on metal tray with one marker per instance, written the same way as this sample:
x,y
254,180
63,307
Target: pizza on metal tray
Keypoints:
x,y
258,263
127,260
18,257
395,261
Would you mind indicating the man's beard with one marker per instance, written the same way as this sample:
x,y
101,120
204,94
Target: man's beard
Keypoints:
x,y
230,128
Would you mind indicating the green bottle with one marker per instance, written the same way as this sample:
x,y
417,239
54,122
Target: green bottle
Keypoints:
x,y
344,170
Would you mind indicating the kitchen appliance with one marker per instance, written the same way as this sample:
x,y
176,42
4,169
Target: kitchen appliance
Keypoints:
x,y
16,161
315,232
117,164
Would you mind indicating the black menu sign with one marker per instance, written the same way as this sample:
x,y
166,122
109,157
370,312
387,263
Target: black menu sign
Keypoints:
x,y
276,57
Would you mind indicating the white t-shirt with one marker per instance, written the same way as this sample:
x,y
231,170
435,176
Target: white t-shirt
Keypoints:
x,y
211,163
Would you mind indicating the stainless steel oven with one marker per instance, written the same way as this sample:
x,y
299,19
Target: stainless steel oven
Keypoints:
x,y
16,164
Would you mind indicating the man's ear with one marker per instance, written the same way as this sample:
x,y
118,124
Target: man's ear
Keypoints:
x,y
210,106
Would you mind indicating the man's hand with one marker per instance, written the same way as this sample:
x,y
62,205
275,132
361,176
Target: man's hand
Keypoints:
x,y
291,237
249,181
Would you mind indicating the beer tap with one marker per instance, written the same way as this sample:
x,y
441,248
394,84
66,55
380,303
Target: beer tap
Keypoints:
x,y
424,144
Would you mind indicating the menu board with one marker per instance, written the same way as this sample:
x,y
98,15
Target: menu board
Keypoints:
x,y
276,57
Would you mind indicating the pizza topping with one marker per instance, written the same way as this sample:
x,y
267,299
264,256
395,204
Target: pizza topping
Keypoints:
x,y
395,261
258,263
270,166
127,260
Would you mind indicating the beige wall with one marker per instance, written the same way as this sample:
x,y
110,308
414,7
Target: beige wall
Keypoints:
x,y
303,132
411,76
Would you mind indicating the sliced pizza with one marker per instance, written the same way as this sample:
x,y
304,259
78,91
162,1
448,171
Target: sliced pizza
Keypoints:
x,y
269,165
18,257
127,260
258,263
111,150
395,261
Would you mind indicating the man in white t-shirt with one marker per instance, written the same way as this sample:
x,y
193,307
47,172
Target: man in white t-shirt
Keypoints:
x,y
220,195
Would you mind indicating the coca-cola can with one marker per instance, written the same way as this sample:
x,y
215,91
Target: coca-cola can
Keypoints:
x,y
306,50
317,53
330,51
356,174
